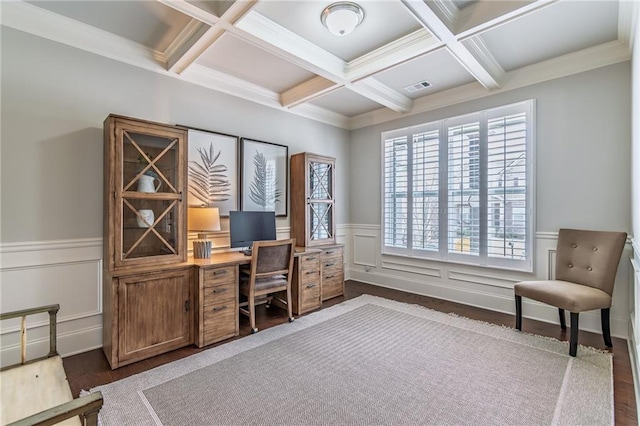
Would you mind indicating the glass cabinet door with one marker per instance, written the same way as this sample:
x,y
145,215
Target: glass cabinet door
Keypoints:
x,y
320,201
148,195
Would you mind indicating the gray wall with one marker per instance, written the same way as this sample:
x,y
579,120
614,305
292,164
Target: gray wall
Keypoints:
x,y
54,101
583,147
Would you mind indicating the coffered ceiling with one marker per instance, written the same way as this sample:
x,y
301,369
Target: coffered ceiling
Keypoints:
x,y
278,53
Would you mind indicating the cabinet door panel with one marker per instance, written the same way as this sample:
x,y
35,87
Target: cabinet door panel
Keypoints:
x,y
154,314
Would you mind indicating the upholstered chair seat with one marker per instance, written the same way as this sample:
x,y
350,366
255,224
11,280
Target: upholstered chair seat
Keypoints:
x,y
586,267
565,295
262,284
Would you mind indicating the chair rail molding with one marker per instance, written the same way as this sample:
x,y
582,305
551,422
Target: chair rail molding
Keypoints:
x,y
68,272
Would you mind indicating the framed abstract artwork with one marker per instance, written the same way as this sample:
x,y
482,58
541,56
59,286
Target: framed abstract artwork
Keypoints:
x,y
213,170
265,176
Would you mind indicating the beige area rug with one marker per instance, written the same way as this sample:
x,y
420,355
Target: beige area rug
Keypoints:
x,y
372,361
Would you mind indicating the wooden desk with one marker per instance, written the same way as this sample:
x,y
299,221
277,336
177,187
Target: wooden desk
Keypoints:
x,y
216,291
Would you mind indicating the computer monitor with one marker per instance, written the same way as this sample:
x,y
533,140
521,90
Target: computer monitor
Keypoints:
x,y
247,227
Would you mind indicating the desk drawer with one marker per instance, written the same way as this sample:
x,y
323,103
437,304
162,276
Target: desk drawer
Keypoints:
x,y
332,273
216,276
219,293
220,322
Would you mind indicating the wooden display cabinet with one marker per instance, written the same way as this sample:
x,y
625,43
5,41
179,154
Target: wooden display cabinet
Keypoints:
x,y
144,188
148,290
312,199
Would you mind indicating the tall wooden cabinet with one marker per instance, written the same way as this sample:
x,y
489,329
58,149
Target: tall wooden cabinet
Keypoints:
x,y
147,288
313,217
312,199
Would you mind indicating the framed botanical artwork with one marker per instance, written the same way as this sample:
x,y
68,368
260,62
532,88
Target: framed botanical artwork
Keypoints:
x,y
213,170
265,176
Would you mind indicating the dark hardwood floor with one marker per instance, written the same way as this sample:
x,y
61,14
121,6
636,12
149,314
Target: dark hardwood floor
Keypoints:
x,y
90,369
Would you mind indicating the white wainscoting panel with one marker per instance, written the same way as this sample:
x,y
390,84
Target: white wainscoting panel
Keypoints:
x,y
487,288
634,317
42,273
364,249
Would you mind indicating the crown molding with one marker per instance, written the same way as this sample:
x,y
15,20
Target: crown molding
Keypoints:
x,y
40,22
573,63
234,86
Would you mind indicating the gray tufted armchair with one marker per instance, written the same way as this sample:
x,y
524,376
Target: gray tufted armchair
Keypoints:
x,y
586,266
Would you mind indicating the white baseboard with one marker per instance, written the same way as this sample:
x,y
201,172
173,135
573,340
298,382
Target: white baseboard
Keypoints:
x,y
589,321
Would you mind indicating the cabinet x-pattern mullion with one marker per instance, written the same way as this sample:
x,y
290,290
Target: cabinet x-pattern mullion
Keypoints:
x,y
150,163
321,181
151,228
321,219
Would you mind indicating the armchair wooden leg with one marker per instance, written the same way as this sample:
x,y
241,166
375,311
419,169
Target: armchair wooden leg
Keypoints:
x,y
606,329
519,313
573,340
563,320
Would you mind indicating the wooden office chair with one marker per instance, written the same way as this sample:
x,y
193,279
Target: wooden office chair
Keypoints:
x,y
270,272
586,266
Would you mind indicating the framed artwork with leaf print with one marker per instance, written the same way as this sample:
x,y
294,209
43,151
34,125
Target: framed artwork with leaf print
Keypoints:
x,y
265,176
213,170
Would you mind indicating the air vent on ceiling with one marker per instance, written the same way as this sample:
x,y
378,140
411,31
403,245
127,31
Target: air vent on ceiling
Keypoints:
x,y
417,86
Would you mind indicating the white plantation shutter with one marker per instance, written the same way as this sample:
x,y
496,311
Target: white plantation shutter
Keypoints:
x,y
396,181
425,194
507,186
461,189
463,207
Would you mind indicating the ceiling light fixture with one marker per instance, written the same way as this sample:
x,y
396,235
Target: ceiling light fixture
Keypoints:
x,y
342,18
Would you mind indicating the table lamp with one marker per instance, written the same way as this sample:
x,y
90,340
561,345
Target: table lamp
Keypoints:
x,y
203,220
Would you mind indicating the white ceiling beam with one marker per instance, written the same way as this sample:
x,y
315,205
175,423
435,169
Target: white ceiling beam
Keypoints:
x,y
397,52
191,44
280,41
429,19
486,14
268,35
304,92
382,94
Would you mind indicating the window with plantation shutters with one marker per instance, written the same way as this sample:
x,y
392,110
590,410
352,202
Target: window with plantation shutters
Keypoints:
x,y
461,189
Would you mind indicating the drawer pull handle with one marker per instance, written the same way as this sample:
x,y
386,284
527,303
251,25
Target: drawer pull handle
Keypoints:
x,y
328,264
328,252
311,272
220,272
221,308
329,276
311,258
220,290
311,285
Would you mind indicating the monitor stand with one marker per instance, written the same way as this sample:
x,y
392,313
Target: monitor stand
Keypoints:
x,y
246,252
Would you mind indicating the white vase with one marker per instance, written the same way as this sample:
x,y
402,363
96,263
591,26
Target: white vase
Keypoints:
x,y
146,218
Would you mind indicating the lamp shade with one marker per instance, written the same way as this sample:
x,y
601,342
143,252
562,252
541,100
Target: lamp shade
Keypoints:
x,y
342,18
204,219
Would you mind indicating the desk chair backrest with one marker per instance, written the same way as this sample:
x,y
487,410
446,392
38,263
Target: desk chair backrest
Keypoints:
x,y
589,257
272,258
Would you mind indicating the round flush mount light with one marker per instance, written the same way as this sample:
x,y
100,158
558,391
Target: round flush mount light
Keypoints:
x,y
342,18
